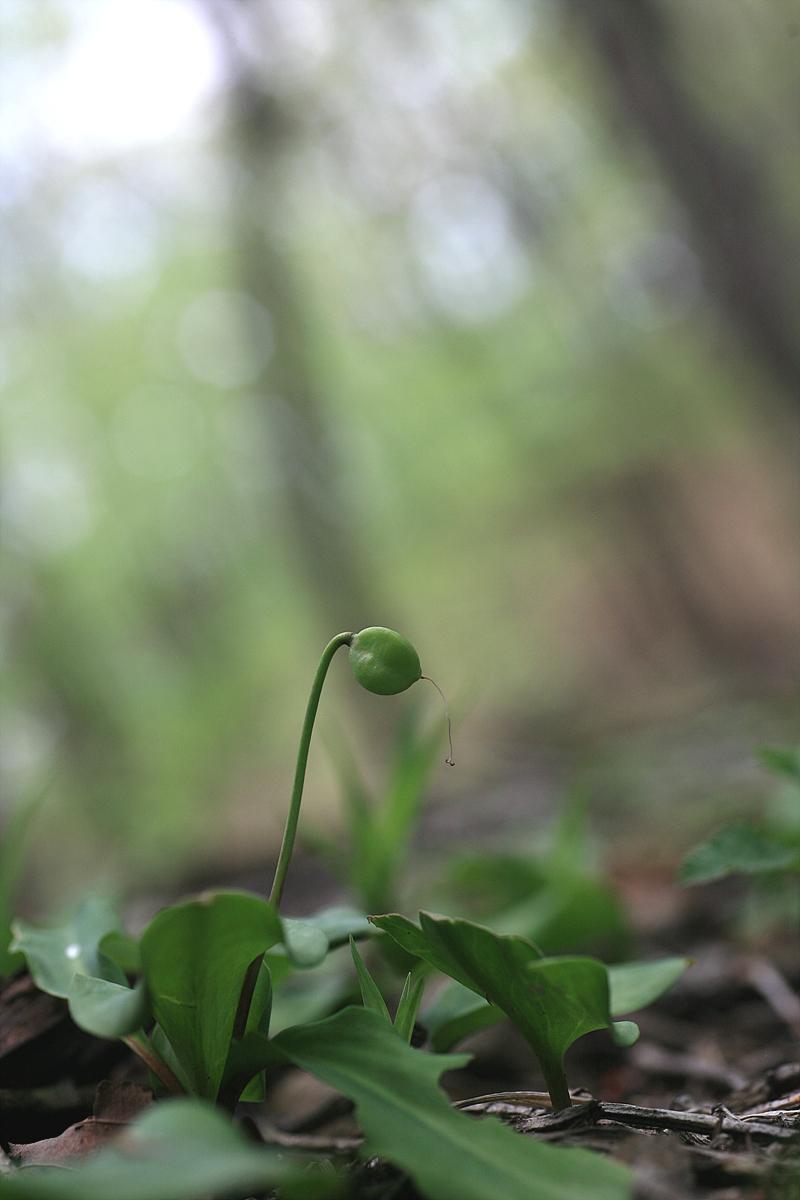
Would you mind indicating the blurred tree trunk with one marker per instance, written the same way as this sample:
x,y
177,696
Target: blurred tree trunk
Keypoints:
x,y
318,520
746,254
694,571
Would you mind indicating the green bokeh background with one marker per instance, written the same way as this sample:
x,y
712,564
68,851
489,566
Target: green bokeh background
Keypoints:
x,y
469,371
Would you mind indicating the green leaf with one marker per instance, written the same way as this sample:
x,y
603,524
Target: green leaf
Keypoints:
x,y
122,950
305,942
107,1010
176,1150
341,922
163,1048
246,1060
55,955
408,1007
261,1004
555,897
195,956
416,941
407,1119
783,762
258,1021
635,985
310,940
742,849
455,1013
552,1001
624,1033
312,995
379,830
370,992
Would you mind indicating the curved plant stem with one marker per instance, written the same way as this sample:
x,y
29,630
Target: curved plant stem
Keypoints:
x,y
140,1044
341,639
246,999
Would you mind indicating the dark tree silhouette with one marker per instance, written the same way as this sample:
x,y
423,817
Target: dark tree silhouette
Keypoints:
x,y
748,257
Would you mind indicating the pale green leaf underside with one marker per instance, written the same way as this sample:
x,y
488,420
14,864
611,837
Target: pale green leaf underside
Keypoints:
x,y
306,943
105,1009
55,955
635,985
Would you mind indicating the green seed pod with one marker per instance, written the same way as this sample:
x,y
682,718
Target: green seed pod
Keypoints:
x,y
384,662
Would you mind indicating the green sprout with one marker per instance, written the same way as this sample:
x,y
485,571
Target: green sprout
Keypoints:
x,y
383,662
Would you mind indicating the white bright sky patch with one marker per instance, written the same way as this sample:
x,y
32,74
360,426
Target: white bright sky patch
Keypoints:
x,y
135,72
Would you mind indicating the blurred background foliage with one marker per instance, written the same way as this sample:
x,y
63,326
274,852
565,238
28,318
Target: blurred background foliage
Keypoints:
x,y
475,318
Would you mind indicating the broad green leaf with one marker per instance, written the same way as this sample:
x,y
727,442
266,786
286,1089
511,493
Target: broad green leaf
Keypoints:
x,y
738,849
408,1007
407,1119
552,1001
55,955
455,1013
176,1150
107,1010
261,1004
280,966
370,992
635,985
195,956
312,995
415,941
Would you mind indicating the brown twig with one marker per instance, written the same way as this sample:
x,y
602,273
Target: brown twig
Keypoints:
x,y
634,1116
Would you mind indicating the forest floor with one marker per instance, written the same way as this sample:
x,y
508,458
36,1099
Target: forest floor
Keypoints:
x,y
705,1106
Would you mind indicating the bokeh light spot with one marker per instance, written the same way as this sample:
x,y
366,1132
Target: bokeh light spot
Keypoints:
x,y
461,230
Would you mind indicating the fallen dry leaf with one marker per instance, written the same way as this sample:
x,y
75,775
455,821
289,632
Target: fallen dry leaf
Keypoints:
x,y
115,1105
